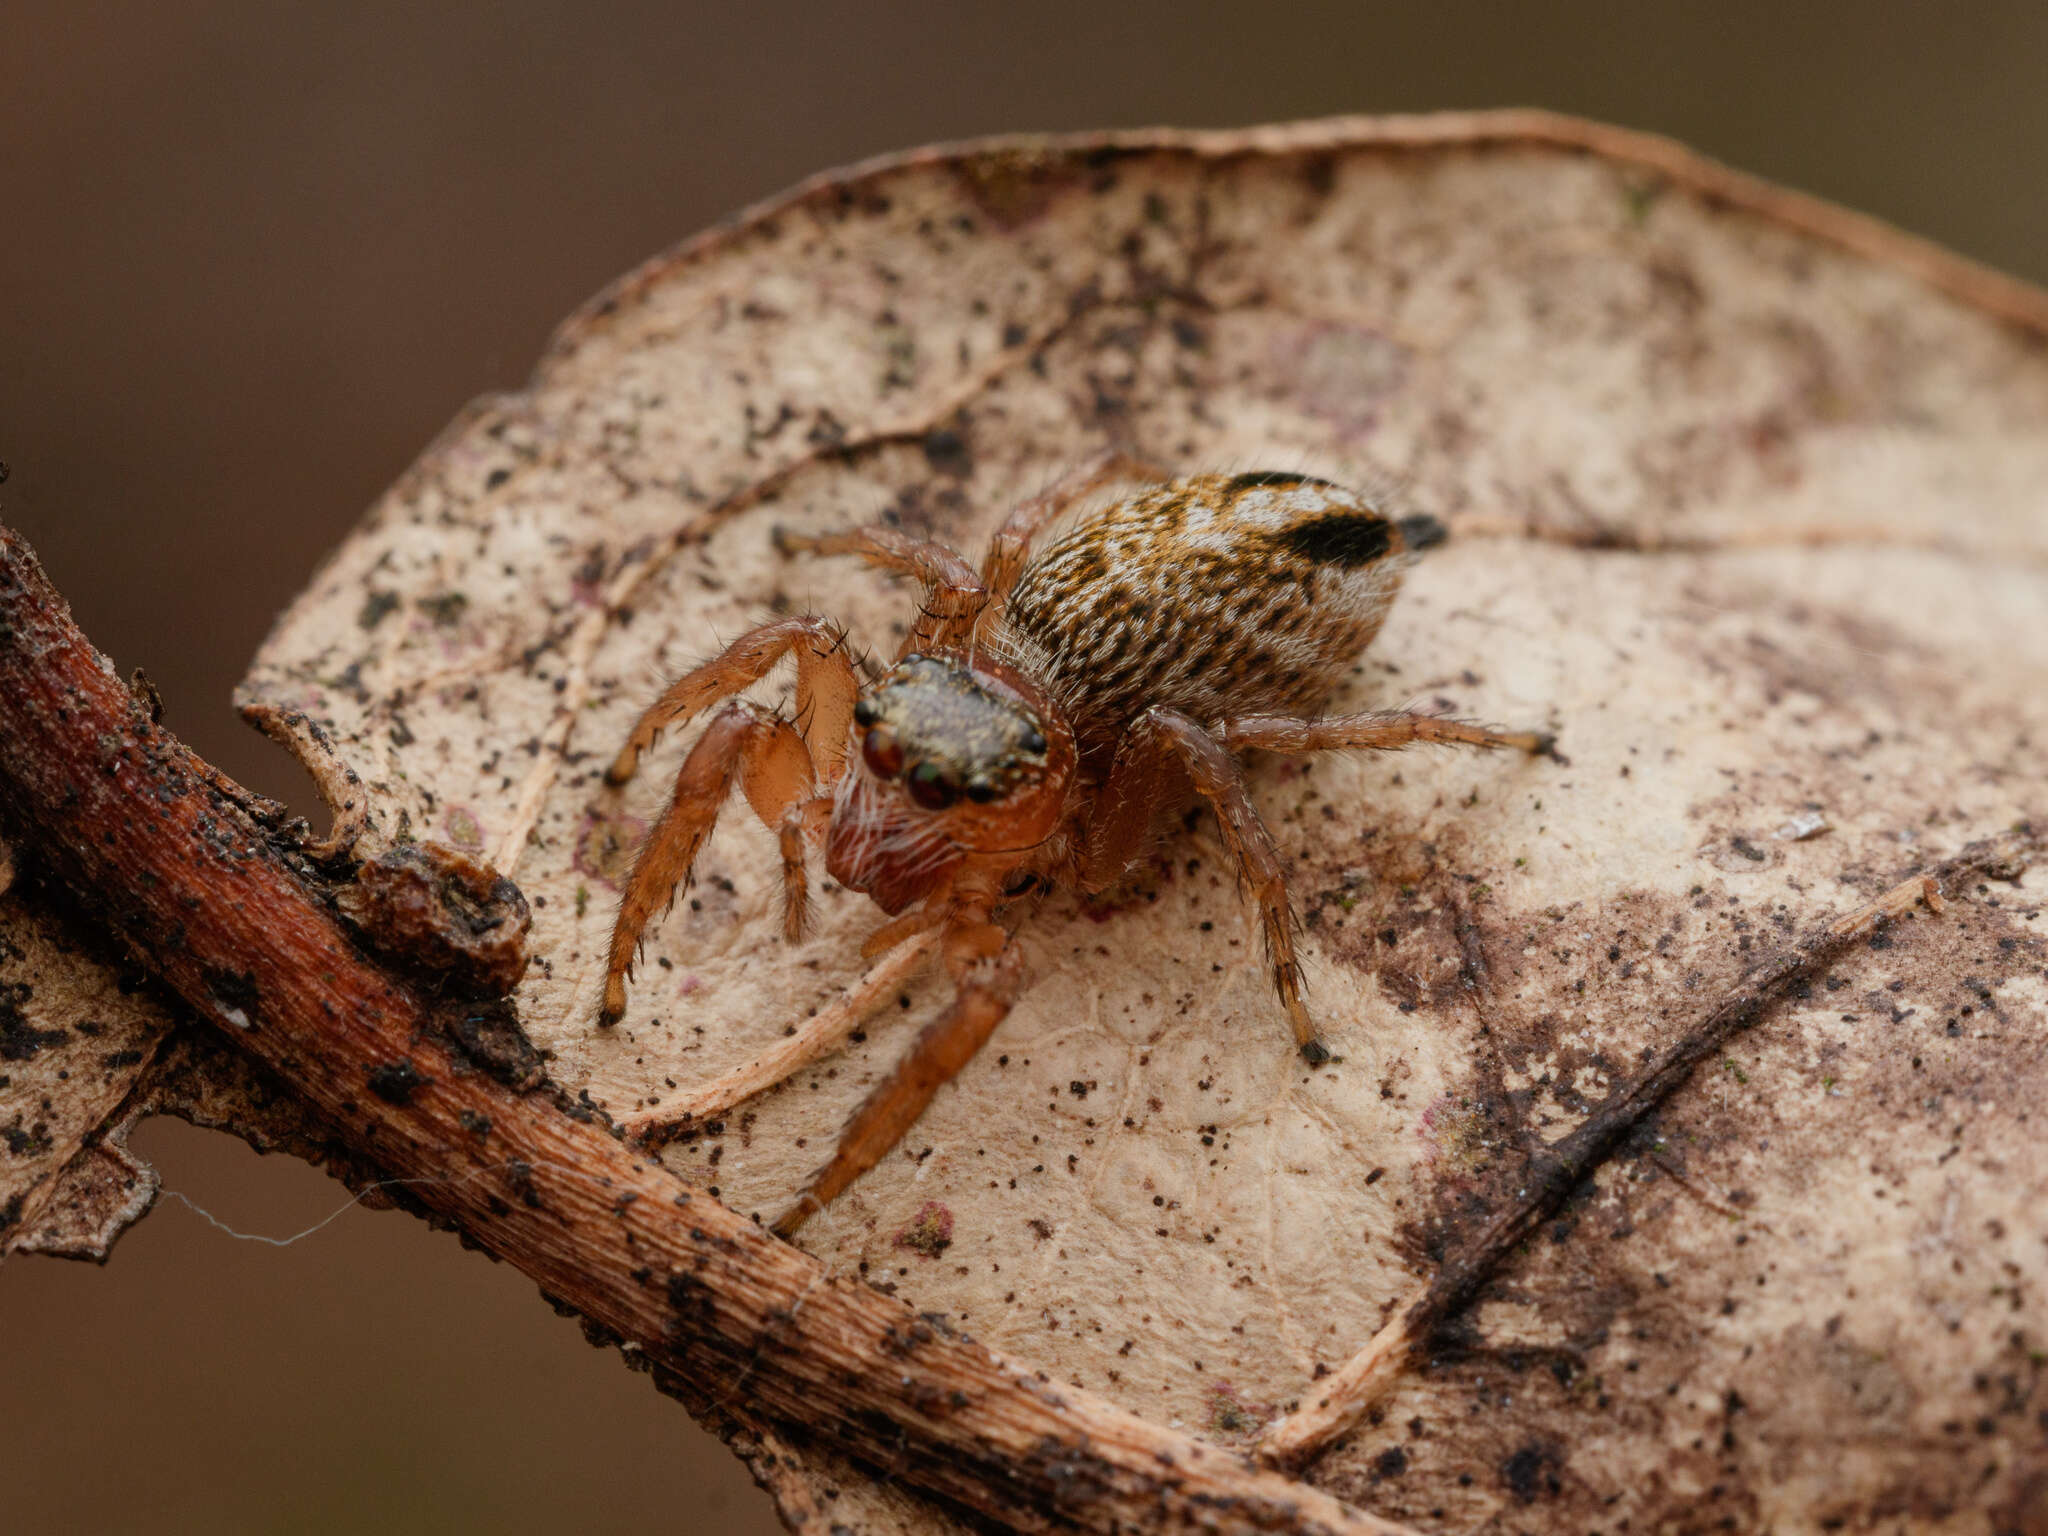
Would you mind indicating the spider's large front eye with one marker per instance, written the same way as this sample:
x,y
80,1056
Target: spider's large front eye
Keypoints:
x,y
933,786
882,752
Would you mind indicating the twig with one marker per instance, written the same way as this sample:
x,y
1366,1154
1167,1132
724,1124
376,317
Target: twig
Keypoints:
x,y
1342,1398
122,814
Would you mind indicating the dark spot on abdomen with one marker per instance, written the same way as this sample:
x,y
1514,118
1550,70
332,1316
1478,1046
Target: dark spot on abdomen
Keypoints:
x,y
1349,539
1272,480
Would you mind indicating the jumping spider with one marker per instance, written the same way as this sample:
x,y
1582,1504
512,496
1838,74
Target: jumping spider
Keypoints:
x,y
1044,714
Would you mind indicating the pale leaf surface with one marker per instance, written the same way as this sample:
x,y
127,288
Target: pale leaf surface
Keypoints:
x,y
1749,502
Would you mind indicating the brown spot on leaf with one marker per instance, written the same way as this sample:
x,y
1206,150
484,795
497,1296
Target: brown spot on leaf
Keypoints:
x,y
1231,1417
930,1232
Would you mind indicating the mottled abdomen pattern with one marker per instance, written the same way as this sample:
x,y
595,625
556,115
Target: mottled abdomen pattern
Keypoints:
x,y
1216,595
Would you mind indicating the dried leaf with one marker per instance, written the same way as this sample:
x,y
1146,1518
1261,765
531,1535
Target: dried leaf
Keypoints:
x,y
1747,503
74,1041
86,1055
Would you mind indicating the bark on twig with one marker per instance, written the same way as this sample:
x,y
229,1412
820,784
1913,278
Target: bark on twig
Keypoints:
x,y
126,817
1346,1395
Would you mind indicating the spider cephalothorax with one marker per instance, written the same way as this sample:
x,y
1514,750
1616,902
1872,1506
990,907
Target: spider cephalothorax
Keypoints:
x,y
959,757
1046,713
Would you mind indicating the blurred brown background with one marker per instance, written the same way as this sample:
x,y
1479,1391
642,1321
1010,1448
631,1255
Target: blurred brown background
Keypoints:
x,y
255,254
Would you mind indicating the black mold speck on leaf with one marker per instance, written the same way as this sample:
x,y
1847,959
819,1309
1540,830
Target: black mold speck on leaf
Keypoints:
x,y
444,608
19,1039
1532,1472
948,454
376,608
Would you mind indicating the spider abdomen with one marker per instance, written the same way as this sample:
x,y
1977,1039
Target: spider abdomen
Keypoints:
x,y
1214,595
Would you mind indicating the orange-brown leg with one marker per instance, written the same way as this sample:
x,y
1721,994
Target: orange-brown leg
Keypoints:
x,y
928,914
1011,545
1159,755
953,594
887,549
774,769
1380,731
989,974
802,824
826,687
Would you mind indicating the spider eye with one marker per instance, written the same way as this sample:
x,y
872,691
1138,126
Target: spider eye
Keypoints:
x,y
1032,741
933,786
981,791
882,752
866,712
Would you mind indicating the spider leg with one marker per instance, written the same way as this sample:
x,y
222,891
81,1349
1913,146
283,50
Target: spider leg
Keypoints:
x,y
1004,562
1380,730
826,687
807,1041
774,768
801,824
989,973
919,919
887,549
953,594
1159,755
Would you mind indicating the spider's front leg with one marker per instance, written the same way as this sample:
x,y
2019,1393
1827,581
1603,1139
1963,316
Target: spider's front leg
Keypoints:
x,y
988,973
953,594
1159,756
826,687
957,600
775,769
